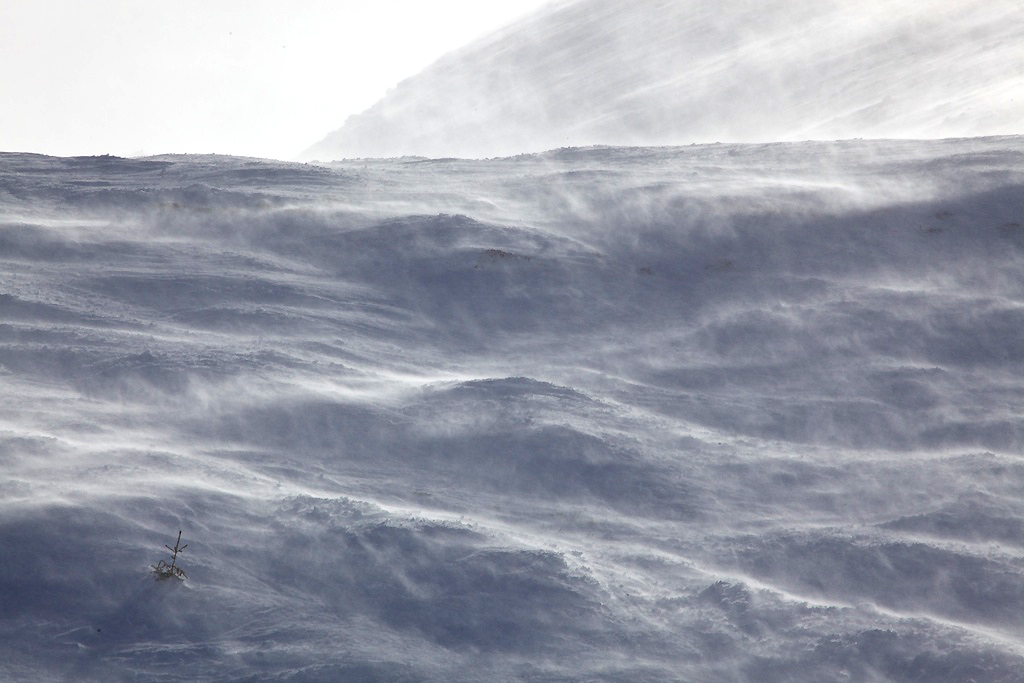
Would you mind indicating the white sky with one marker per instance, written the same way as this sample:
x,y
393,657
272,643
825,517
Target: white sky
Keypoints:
x,y
249,77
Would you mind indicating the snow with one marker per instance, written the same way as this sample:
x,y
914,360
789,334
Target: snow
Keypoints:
x,y
653,72
716,413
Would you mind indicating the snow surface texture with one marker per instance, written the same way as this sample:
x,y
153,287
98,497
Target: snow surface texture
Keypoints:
x,y
717,413
657,72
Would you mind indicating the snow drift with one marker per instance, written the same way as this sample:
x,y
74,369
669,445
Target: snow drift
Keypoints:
x,y
717,413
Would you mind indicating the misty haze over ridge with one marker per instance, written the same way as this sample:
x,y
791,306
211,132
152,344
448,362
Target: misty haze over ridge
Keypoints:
x,y
659,72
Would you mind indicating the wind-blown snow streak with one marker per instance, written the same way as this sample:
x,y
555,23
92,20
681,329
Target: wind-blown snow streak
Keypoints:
x,y
657,72
715,413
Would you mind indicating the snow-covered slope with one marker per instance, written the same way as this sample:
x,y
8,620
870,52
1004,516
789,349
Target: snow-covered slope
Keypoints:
x,y
711,413
655,72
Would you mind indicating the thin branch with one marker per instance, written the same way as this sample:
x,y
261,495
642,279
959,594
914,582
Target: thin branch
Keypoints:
x,y
162,570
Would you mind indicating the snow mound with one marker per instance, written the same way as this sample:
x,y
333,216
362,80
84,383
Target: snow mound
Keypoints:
x,y
737,413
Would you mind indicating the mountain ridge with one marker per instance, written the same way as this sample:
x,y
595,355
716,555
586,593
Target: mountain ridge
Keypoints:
x,y
594,72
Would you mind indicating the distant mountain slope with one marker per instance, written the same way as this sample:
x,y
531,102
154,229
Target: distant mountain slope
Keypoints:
x,y
654,72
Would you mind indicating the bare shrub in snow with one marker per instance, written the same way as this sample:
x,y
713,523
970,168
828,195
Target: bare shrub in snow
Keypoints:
x,y
162,570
